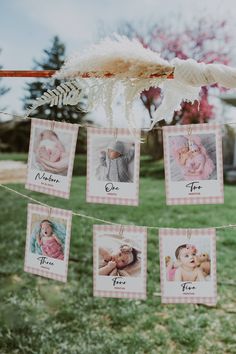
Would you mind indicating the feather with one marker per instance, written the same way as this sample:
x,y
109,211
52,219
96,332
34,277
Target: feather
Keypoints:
x,y
58,96
127,64
119,57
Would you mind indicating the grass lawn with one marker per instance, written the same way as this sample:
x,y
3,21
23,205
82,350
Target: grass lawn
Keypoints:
x,y
40,315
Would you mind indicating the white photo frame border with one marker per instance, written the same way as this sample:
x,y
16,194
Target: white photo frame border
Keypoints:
x,y
169,131
97,230
66,128
209,232
54,213
111,199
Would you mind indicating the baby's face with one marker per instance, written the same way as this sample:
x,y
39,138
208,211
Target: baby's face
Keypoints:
x,y
112,154
187,258
122,259
46,229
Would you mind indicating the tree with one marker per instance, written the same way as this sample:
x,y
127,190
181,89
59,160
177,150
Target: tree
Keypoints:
x,y
204,41
54,58
3,89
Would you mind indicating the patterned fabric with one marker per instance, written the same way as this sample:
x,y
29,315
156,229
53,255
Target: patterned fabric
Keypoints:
x,y
53,249
117,170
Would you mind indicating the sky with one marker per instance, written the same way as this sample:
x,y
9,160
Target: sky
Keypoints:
x,y
28,26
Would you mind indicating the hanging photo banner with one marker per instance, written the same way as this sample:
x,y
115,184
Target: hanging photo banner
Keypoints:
x,y
48,242
193,164
120,261
113,158
51,157
188,265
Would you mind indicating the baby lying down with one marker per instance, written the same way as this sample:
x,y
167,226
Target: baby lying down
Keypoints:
x,y
122,260
50,153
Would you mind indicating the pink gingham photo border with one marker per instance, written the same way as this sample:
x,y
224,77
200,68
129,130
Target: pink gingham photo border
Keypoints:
x,y
120,294
67,128
112,200
196,129
55,213
210,232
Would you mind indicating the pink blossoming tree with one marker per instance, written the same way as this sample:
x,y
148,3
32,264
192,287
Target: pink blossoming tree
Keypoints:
x,y
204,41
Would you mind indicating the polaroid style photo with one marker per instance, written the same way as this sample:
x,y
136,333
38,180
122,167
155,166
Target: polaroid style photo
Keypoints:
x,y
113,158
48,242
120,261
188,265
193,164
51,157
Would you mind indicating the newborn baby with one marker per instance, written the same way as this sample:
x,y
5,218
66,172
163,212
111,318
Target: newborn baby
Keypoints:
x,y
117,259
196,161
50,148
50,153
49,242
116,162
192,158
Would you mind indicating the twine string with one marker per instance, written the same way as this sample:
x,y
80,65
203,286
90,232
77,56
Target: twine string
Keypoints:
x,y
220,227
84,215
86,125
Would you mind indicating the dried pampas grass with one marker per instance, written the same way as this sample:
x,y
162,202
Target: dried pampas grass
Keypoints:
x,y
114,65
120,58
121,64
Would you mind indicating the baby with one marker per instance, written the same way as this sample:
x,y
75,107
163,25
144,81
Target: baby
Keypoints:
x,y
49,242
116,162
188,269
50,153
196,161
50,147
192,157
117,259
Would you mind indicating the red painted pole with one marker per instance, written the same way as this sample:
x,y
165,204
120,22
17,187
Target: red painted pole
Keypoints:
x,y
50,73
26,73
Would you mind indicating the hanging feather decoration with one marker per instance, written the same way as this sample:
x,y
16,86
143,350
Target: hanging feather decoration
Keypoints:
x,y
125,65
104,69
68,93
120,58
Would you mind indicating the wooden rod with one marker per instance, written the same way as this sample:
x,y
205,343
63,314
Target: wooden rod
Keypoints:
x,y
50,73
27,73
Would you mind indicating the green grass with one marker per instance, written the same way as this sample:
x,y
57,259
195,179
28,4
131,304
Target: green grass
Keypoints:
x,y
43,316
15,156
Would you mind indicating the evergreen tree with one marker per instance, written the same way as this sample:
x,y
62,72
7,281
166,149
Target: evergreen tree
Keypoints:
x,y
53,60
3,89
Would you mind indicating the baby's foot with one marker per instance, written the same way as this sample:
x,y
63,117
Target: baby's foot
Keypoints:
x,y
111,265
